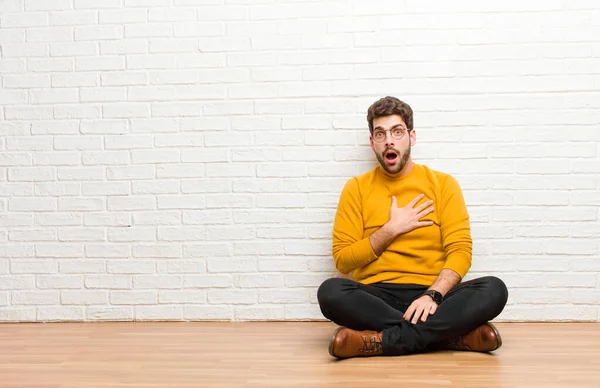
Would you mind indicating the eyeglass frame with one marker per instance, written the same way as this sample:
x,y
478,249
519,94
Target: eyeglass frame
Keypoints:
x,y
385,131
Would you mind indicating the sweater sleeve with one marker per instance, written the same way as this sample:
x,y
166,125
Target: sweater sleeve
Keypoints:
x,y
350,249
455,228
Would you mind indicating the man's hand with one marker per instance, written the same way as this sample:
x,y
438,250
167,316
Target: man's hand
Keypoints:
x,y
402,220
407,218
420,308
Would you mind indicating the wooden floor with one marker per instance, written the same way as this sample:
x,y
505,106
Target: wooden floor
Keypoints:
x,y
279,354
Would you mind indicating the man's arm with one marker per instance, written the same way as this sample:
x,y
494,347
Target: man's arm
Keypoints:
x,y
457,243
445,281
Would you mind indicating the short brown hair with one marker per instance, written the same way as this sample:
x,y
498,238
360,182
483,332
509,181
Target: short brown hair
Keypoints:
x,y
388,106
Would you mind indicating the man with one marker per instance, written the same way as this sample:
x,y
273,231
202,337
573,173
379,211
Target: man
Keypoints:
x,y
403,231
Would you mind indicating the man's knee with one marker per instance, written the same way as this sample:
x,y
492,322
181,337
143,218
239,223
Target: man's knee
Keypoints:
x,y
497,291
328,291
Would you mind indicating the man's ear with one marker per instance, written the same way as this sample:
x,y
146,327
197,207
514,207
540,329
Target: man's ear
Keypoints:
x,y
413,138
371,142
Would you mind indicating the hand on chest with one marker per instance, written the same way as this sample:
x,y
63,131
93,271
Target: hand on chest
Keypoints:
x,y
376,206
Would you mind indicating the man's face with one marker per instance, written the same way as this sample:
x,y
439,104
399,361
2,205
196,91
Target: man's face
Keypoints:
x,y
392,153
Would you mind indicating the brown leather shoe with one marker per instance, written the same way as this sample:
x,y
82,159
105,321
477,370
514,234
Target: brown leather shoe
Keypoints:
x,y
347,343
485,338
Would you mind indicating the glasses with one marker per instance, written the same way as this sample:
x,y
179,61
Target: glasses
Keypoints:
x,y
379,135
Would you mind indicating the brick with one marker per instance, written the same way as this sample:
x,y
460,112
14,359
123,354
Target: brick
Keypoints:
x,y
156,187
12,65
56,127
154,282
58,219
153,313
197,266
60,80
181,234
81,111
210,313
80,266
105,158
15,314
80,297
59,282
29,50
182,170
214,155
130,172
257,186
207,281
132,234
60,313
80,173
31,174
49,34
103,94
110,313
131,267
78,142
180,140
259,313
205,186
80,204
154,156
133,297
157,218
157,251
126,78
36,298
187,296
96,33
231,265
232,296
112,282
224,44
72,18
80,234
23,266
21,20
27,204
125,110
151,61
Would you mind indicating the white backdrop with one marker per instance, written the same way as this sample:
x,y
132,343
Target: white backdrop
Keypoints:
x,y
182,159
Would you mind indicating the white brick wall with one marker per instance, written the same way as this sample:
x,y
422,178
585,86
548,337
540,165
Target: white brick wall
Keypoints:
x,y
182,159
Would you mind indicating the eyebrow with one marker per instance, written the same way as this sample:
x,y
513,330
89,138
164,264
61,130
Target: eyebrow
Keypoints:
x,y
393,127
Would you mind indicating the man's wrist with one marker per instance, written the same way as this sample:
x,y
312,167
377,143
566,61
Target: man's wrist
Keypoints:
x,y
389,230
436,296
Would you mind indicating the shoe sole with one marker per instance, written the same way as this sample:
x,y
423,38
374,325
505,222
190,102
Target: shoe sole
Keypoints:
x,y
332,342
497,335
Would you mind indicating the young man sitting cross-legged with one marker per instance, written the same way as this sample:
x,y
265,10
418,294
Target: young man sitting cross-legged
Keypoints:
x,y
403,230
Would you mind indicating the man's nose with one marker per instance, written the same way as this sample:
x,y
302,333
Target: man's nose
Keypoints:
x,y
389,140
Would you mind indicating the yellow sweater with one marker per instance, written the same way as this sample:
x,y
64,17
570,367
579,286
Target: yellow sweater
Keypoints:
x,y
416,257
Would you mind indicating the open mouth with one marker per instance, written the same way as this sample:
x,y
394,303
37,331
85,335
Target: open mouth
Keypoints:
x,y
391,156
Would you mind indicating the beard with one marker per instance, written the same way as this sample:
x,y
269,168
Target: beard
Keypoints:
x,y
395,169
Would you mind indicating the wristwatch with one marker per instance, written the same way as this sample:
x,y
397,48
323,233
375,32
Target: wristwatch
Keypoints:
x,y
436,296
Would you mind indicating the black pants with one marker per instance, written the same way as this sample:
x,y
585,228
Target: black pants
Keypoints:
x,y
380,307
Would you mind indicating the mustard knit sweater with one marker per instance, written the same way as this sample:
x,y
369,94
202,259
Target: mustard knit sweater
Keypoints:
x,y
416,257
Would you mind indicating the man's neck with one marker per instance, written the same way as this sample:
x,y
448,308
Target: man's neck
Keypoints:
x,y
402,173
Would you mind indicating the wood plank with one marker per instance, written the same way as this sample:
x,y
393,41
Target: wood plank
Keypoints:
x,y
281,354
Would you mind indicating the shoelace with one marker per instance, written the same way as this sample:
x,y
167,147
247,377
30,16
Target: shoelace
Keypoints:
x,y
371,345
